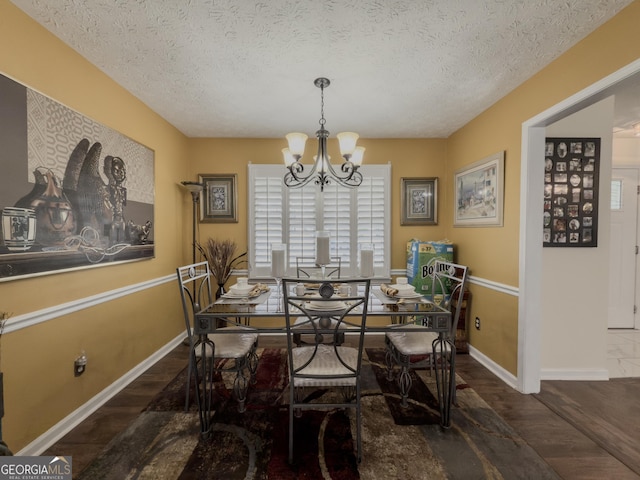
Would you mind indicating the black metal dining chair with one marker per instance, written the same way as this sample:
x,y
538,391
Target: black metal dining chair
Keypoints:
x,y
195,291
413,346
311,274
326,366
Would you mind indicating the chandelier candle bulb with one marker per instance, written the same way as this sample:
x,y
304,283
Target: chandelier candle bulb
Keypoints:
x,y
323,256
366,261
278,263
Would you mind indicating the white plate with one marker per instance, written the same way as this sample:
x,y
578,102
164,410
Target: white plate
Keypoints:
x,y
328,306
240,295
408,295
404,288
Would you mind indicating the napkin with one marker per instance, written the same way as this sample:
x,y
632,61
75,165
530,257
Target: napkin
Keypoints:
x,y
258,289
388,291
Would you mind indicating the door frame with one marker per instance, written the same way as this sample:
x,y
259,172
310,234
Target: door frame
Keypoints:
x,y
636,168
530,239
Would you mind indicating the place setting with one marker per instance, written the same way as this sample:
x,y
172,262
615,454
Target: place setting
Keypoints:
x,y
242,291
401,291
331,293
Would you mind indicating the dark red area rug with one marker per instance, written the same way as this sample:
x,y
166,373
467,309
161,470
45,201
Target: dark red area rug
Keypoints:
x,y
164,441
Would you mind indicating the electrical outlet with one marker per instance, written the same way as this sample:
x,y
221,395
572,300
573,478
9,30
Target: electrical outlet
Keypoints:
x,y
80,365
477,323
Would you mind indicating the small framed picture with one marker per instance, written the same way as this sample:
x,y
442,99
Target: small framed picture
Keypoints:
x,y
219,198
419,201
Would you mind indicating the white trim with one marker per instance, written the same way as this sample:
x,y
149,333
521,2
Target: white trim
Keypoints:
x,y
64,426
530,264
585,374
33,318
493,367
490,284
531,190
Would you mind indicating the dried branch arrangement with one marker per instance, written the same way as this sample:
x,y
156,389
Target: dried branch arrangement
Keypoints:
x,y
222,258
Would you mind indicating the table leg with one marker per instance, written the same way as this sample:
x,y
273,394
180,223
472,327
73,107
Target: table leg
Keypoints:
x,y
204,382
444,357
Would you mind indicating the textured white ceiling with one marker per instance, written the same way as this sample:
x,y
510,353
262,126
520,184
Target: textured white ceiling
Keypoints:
x,y
245,68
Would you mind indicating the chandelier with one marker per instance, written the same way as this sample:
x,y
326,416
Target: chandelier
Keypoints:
x,y
322,171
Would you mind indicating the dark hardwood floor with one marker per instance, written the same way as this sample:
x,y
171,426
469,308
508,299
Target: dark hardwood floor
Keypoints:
x,y
583,430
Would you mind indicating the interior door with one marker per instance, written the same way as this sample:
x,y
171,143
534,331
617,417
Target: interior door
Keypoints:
x,y
622,265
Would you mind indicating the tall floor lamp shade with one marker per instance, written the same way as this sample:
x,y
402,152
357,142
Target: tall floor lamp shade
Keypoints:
x,y
195,188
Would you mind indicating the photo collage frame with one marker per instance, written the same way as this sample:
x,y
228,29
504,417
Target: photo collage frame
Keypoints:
x,y
571,181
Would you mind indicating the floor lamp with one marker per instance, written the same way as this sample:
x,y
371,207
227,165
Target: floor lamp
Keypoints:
x,y
195,188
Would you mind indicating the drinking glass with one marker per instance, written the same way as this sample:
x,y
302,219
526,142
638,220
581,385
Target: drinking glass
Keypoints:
x,y
278,267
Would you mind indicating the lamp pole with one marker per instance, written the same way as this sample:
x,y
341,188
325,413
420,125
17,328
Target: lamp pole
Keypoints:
x,y
195,188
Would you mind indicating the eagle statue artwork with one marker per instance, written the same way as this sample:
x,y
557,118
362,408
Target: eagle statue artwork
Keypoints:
x,y
84,212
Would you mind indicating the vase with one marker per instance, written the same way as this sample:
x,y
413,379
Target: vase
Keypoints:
x,y
55,215
18,228
221,290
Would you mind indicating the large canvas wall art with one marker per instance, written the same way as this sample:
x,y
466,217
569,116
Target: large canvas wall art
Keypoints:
x,y
73,193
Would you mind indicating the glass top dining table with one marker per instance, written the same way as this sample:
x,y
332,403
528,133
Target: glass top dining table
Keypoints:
x,y
265,314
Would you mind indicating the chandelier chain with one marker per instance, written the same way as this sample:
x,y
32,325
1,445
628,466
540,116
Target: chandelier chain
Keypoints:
x,y
322,120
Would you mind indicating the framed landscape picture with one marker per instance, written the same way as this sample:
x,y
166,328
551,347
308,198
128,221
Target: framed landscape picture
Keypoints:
x,y
419,201
479,193
219,198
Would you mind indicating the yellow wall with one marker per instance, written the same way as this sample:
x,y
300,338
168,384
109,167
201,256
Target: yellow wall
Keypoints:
x,y
40,388
37,361
492,253
409,158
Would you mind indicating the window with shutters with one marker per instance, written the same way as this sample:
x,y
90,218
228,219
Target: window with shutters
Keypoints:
x,y
352,216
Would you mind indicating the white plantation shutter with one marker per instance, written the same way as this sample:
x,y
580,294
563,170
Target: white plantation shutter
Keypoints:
x,y
352,216
373,219
302,222
335,203
267,221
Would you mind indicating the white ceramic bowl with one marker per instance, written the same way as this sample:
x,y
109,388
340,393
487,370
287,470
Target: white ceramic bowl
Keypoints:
x,y
330,305
241,289
404,288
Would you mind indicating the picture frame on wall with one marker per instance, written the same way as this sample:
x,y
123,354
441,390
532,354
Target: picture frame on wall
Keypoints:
x,y
571,192
219,198
74,193
419,201
479,193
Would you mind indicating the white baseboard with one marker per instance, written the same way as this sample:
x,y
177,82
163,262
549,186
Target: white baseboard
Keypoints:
x,y
504,375
64,426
